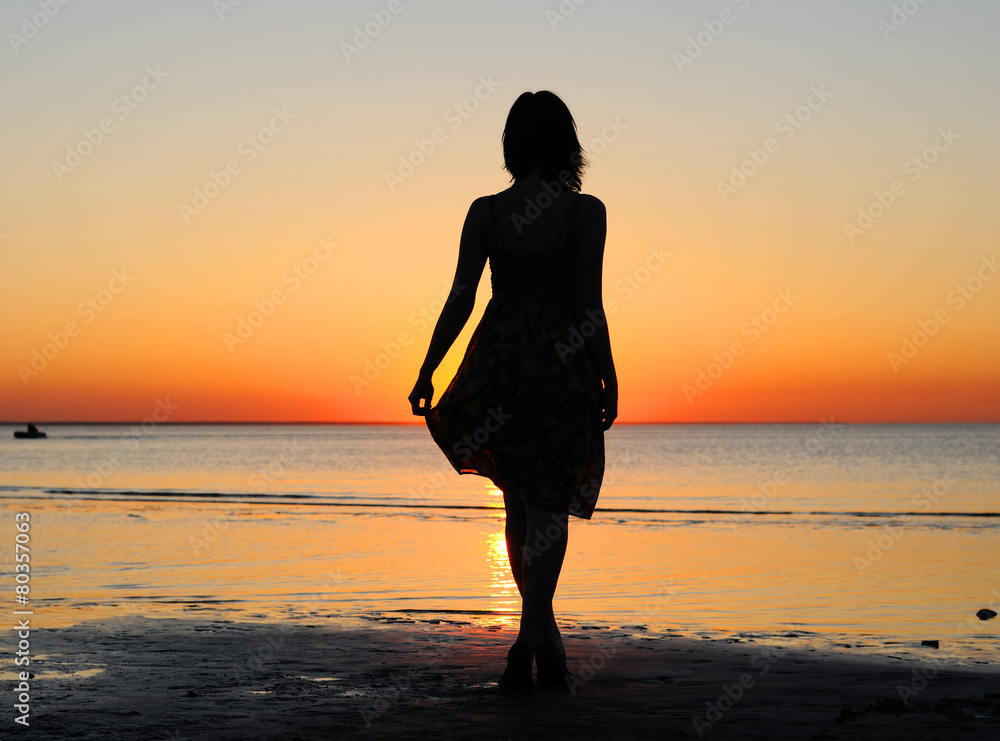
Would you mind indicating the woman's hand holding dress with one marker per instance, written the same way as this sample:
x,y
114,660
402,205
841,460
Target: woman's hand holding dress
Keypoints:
x,y
609,402
422,389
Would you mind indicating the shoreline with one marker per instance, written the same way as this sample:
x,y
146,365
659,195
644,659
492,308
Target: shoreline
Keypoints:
x,y
903,648
214,678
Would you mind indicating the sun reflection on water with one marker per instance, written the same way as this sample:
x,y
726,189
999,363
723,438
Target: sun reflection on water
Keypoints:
x,y
505,600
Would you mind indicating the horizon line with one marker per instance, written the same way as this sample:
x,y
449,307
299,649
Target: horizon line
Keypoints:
x,y
359,423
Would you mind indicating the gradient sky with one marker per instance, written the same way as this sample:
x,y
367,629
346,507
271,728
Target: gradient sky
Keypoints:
x,y
116,298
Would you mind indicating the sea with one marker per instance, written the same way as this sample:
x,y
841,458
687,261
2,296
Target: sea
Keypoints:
x,y
841,537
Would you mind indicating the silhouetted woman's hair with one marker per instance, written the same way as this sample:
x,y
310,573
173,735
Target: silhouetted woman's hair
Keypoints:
x,y
541,131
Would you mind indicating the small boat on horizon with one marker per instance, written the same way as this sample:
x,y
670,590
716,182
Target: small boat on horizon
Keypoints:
x,y
31,432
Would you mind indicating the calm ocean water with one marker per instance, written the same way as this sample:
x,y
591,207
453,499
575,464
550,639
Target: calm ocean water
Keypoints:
x,y
869,536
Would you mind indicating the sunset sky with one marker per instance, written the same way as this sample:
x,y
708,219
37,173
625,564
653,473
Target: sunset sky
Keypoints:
x,y
205,203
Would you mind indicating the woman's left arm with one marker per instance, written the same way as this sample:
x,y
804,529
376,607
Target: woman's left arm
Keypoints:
x,y
461,301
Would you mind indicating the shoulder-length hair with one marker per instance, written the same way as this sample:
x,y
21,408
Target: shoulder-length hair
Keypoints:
x,y
540,131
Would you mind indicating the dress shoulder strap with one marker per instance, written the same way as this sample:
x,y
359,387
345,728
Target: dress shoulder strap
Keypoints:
x,y
493,222
567,226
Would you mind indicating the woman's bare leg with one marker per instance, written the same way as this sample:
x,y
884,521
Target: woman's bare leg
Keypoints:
x,y
541,563
536,547
514,530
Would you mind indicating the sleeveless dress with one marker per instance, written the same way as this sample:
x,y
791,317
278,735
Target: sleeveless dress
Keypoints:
x,y
524,408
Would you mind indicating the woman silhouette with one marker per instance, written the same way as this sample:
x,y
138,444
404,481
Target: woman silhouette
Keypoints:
x,y
537,387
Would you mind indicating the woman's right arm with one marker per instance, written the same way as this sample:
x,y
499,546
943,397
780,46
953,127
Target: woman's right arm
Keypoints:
x,y
593,226
458,308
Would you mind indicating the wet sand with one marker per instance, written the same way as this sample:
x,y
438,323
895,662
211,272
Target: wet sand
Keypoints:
x,y
209,678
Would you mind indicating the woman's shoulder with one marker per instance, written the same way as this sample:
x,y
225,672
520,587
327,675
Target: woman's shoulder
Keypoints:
x,y
591,202
481,209
592,208
483,205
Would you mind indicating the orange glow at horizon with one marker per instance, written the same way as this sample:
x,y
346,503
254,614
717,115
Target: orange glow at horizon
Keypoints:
x,y
306,284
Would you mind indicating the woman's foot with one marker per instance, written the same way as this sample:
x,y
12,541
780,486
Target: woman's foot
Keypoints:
x,y
517,676
551,660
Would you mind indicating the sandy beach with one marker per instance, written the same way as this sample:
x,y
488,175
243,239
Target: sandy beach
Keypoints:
x,y
210,678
